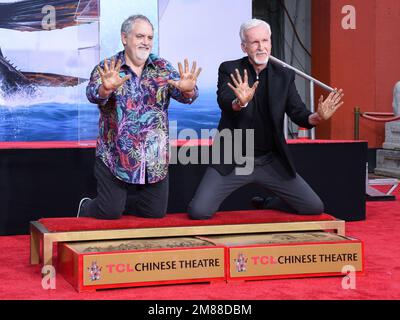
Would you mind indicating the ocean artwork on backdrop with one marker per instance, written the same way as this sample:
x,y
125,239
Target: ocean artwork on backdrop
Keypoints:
x,y
48,49
23,16
42,43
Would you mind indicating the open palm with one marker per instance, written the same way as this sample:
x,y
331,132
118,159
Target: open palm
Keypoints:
x,y
328,107
243,92
188,79
110,78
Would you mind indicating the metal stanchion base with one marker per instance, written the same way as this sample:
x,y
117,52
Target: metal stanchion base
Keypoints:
x,y
373,194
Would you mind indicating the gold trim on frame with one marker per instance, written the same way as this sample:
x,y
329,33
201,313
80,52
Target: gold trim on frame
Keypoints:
x,y
42,240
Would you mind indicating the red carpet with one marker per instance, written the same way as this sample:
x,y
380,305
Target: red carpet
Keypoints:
x,y
177,220
380,232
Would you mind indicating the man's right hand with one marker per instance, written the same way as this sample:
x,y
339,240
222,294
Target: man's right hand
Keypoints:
x,y
242,91
110,78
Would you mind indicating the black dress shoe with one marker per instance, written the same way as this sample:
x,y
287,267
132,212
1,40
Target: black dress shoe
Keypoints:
x,y
263,202
258,202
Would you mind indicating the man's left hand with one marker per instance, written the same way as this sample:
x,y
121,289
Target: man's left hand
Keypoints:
x,y
188,80
328,107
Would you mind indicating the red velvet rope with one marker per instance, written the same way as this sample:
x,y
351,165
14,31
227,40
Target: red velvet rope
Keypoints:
x,y
370,116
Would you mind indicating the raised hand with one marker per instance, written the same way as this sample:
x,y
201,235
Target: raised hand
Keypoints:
x,y
328,107
110,77
187,81
243,92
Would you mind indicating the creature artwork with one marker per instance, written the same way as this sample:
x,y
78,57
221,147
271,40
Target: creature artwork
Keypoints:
x,y
27,16
94,271
13,81
241,263
48,49
43,76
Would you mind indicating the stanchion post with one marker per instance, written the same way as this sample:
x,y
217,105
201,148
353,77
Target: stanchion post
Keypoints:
x,y
356,123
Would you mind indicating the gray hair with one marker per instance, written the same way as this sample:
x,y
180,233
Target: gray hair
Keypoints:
x,y
251,24
128,23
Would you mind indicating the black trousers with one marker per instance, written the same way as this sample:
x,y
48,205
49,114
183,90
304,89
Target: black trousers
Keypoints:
x,y
115,197
293,193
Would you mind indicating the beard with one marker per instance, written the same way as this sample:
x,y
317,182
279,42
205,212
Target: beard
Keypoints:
x,y
260,60
143,53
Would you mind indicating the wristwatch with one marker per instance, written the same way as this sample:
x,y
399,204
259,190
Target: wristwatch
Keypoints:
x,y
236,101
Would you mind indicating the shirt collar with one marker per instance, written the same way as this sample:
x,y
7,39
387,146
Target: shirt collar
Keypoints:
x,y
149,61
250,67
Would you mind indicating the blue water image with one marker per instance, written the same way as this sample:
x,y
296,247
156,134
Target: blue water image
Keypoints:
x,y
63,121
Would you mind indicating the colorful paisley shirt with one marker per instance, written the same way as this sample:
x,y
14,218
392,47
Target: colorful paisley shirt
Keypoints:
x,y
133,137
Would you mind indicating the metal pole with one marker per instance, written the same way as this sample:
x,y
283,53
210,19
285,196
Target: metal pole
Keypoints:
x,y
301,73
312,106
357,123
312,80
285,126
